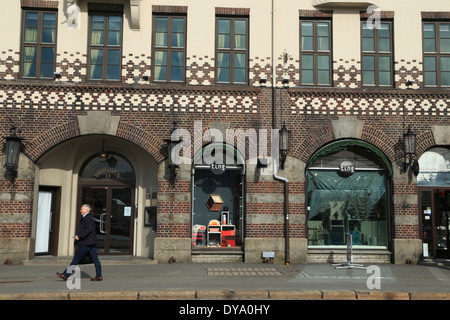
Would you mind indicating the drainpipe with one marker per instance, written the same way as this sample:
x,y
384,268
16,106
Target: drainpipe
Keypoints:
x,y
274,76
274,126
286,211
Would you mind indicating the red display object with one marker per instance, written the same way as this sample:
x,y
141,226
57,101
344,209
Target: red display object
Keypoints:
x,y
229,238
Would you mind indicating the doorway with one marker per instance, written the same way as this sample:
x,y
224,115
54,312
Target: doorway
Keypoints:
x,y
435,211
112,209
217,220
218,214
107,184
47,224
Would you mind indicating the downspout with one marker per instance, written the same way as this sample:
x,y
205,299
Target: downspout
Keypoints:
x,y
275,165
274,109
287,255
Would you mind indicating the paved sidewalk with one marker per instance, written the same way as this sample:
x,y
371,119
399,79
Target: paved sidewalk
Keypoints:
x,y
139,279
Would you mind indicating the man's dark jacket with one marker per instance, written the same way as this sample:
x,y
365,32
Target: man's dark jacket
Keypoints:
x,y
86,231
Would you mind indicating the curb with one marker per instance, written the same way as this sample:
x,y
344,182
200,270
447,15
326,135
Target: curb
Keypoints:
x,y
227,295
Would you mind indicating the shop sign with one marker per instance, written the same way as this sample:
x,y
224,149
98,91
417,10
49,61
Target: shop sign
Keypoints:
x,y
347,168
107,173
217,169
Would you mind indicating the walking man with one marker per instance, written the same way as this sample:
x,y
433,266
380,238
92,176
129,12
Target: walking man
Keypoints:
x,y
86,239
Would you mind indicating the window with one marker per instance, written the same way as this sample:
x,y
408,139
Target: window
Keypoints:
x,y
232,50
377,59
342,201
169,48
39,44
434,167
436,54
315,52
105,46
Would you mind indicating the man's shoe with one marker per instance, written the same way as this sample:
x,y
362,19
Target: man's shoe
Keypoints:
x,y
62,276
97,279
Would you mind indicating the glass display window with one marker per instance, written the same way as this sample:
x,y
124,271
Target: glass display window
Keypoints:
x,y
347,193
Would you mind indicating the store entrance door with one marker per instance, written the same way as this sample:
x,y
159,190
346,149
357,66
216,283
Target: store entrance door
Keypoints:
x,y
108,186
112,209
435,211
47,222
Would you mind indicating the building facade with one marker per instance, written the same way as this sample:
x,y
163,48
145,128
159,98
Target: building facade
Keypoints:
x,y
98,88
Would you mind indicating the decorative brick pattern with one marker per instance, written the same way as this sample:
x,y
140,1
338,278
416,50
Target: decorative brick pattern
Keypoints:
x,y
260,68
9,64
347,73
118,98
369,102
408,70
200,70
134,67
72,66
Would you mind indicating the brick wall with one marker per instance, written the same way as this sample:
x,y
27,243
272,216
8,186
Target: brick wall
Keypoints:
x,y
47,114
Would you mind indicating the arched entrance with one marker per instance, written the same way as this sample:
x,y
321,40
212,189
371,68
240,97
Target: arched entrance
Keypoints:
x,y
70,166
434,202
218,177
348,193
108,186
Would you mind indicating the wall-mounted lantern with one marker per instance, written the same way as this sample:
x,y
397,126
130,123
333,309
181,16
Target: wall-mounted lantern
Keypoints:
x,y
409,148
285,143
172,158
12,148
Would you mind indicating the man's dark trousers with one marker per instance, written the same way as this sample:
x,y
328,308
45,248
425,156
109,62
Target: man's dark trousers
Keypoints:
x,y
82,251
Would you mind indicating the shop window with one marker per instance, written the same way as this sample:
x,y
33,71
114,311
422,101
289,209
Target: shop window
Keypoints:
x,y
347,194
217,217
434,202
434,168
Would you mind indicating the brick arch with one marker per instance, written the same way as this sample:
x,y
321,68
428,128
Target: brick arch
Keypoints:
x,y
382,141
313,142
69,130
142,138
425,141
323,135
52,137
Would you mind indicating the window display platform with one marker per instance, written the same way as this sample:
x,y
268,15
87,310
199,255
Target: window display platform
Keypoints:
x,y
217,254
338,255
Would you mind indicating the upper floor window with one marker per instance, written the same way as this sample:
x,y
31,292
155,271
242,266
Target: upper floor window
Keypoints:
x,y
232,50
105,46
377,57
38,44
315,52
169,48
436,54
